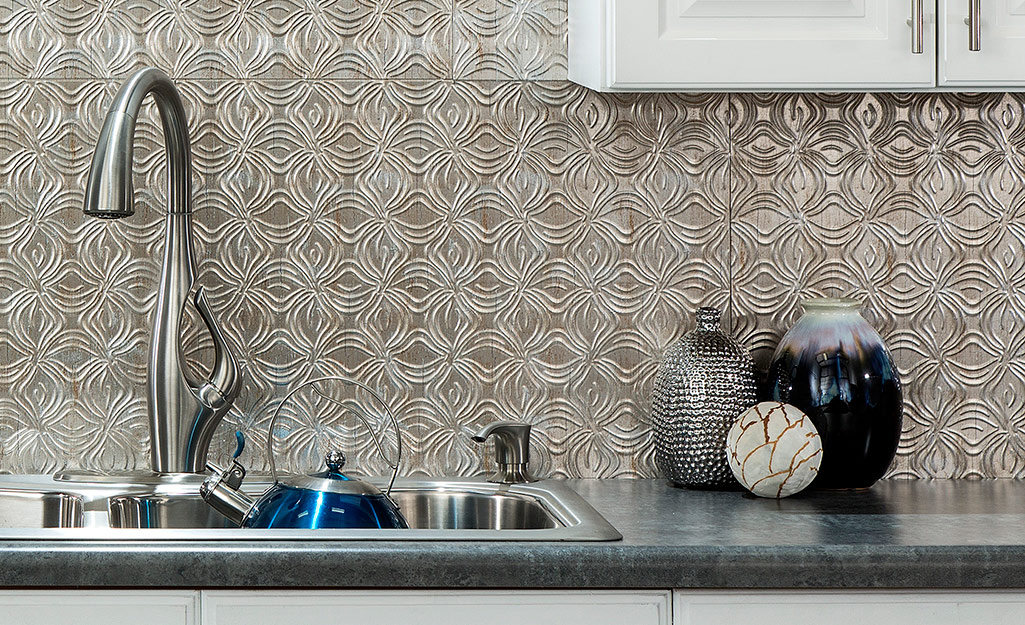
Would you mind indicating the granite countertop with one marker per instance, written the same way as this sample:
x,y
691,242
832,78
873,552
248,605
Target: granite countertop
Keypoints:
x,y
927,534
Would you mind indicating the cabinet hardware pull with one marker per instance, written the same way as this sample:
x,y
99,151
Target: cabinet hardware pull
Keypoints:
x,y
974,22
917,27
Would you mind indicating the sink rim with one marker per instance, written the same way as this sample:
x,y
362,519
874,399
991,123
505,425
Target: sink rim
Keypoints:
x,y
581,522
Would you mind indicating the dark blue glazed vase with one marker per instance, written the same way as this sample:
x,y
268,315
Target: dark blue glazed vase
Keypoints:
x,y
834,367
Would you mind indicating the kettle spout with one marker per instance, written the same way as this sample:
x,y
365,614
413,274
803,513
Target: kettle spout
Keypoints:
x,y
221,491
222,488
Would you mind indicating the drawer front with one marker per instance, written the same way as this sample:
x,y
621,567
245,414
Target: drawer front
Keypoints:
x,y
98,607
427,607
848,608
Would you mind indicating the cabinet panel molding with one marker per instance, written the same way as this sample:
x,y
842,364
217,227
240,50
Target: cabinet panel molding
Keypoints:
x,y
98,607
638,45
998,61
426,607
846,608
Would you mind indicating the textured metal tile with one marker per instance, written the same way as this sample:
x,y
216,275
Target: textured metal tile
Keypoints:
x,y
6,12
34,39
510,39
264,39
902,211
506,244
407,234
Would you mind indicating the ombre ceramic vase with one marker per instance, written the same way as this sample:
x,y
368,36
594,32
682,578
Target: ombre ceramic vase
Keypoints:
x,y
833,366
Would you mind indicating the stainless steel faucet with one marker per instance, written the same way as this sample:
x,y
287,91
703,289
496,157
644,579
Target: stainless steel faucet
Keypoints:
x,y
512,451
183,411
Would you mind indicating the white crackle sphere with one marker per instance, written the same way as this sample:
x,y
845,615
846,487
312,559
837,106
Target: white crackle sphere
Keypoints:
x,y
774,449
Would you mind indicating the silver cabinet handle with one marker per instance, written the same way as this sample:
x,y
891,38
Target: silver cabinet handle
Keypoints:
x,y
974,25
917,27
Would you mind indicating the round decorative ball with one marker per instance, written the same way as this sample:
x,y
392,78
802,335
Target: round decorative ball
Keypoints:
x,y
774,450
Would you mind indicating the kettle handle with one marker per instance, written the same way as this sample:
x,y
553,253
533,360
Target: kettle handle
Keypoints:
x,y
337,378
240,444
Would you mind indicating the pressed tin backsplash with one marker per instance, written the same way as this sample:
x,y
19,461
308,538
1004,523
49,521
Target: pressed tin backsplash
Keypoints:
x,y
411,193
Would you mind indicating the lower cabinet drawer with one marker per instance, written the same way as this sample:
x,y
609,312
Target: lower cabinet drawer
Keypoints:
x,y
98,607
848,608
425,607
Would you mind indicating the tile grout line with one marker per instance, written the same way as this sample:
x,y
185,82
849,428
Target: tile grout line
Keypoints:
x,y
729,213
452,40
289,81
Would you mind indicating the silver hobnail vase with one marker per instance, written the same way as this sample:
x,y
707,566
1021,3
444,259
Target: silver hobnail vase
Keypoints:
x,y
704,382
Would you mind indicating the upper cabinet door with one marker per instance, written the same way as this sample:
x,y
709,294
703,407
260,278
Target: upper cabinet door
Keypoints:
x,y
998,57
672,45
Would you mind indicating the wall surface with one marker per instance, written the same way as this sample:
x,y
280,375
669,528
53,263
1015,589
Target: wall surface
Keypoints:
x,y
409,192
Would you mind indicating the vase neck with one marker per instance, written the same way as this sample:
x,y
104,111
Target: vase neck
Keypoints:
x,y
708,318
831,306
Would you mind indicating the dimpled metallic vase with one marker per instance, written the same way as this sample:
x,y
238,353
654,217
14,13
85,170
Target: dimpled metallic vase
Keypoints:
x,y
704,382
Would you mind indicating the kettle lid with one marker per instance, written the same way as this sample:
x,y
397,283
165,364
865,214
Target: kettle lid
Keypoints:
x,y
333,480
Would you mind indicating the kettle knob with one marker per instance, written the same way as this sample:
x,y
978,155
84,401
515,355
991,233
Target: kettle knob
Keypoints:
x,y
335,460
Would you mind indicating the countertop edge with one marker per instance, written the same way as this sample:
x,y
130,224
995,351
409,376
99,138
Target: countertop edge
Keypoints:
x,y
515,565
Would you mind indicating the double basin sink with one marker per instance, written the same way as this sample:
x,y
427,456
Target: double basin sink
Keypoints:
x,y
170,508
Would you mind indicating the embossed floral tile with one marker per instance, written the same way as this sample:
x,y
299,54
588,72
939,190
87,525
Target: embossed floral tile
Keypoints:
x,y
909,203
409,192
480,262
261,39
509,40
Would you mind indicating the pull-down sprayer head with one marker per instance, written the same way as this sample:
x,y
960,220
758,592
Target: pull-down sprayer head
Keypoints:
x,y
109,194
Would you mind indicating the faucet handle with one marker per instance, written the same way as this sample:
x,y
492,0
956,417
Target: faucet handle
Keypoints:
x,y
512,450
221,390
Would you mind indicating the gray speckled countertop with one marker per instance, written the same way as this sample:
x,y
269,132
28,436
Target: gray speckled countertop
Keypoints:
x,y
936,534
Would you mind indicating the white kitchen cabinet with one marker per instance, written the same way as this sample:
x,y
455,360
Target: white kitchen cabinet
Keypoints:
x,y
672,45
91,607
999,61
850,607
442,607
510,607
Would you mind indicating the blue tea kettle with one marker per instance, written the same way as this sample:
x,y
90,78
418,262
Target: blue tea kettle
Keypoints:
x,y
328,499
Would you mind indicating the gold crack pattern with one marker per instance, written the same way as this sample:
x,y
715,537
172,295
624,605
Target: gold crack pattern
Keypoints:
x,y
774,450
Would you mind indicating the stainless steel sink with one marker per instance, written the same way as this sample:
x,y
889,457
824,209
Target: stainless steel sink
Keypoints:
x,y
37,507
427,509
467,510
32,508
181,511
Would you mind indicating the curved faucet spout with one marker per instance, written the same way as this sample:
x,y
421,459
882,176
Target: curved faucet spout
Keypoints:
x,y
181,423
109,191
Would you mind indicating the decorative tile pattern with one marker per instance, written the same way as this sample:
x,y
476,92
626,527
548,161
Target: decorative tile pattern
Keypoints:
x,y
409,192
510,39
456,245
258,39
908,203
